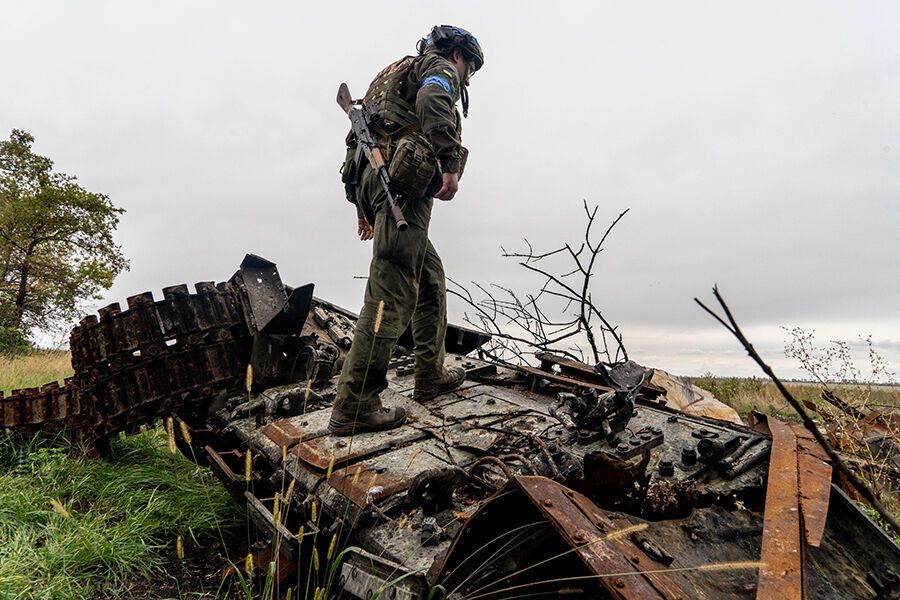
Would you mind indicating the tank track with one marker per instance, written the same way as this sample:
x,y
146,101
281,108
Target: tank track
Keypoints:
x,y
132,366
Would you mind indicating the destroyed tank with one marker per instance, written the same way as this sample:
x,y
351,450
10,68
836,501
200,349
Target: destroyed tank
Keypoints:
x,y
544,482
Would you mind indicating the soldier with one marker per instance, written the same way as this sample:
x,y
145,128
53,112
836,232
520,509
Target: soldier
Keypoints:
x,y
419,131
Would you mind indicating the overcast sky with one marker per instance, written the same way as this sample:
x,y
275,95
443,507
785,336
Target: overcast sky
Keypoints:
x,y
757,145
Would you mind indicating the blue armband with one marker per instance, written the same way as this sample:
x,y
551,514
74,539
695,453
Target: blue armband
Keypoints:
x,y
437,80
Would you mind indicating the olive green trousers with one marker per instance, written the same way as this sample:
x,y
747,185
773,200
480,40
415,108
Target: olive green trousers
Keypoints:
x,y
407,275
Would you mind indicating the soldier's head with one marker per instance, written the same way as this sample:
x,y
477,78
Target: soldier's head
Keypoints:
x,y
458,45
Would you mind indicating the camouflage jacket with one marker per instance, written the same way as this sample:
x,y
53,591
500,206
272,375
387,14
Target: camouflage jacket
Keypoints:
x,y
413,93
419,93
434,86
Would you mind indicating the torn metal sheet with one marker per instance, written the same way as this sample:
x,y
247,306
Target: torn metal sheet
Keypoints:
x,y
681,394
271,307
599,541
612,560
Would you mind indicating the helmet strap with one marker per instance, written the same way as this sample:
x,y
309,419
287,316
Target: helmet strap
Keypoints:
x,y
465,101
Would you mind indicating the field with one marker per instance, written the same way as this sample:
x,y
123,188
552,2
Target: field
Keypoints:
x,y
34,369
748,394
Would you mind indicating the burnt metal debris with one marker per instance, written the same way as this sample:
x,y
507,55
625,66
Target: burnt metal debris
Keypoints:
x,y
553,481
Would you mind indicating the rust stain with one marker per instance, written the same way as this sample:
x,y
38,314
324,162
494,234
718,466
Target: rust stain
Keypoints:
x,y
311,455
320,452
283,433
815,485
781,576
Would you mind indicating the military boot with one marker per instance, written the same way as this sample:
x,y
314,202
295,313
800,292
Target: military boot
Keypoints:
x,y
350,423
427,389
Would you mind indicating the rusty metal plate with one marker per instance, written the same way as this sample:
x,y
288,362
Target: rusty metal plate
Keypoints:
x,y
639,560
815,485
781,576
319,450
311,425
608,558
330,450
283,433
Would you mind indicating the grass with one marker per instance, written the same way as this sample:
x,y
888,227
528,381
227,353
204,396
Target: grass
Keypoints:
x,y
73,528
753,393
34,369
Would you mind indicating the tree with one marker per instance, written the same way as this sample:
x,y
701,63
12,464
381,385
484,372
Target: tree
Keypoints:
x,y
56,242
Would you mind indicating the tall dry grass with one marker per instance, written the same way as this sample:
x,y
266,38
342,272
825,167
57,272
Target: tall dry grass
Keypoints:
x,y
753,393
34,369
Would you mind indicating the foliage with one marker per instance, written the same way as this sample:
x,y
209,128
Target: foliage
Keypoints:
x,y
727,388
56,244
13,341
74,528
754,394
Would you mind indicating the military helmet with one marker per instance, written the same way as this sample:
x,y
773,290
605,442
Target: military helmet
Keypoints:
x,y
447,37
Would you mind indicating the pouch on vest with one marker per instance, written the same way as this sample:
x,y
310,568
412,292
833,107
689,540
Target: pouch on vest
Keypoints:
x,y
413,167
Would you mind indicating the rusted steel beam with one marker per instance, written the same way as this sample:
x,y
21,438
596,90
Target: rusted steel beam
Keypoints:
x,y
815,485
781,577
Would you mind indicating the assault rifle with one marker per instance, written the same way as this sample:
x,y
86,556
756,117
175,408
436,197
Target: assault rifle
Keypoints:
x,y
359,121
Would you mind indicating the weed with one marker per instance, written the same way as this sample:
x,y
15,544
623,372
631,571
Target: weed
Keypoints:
x,y
72,527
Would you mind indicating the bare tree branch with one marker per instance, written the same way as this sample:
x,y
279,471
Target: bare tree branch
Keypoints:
x,y
560,309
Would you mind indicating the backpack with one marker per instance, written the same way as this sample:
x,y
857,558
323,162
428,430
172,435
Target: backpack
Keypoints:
x,y
386,98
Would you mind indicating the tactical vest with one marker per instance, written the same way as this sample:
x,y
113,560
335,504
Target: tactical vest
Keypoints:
x,y
412,166
386,98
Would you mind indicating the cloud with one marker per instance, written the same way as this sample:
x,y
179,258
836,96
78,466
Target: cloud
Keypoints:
x,y
757,148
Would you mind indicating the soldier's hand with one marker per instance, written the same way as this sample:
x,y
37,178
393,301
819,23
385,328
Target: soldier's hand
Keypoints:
x,y
364,230
449,186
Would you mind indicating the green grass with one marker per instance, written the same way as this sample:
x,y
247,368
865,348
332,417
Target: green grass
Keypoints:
x,y
34,369
124,514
